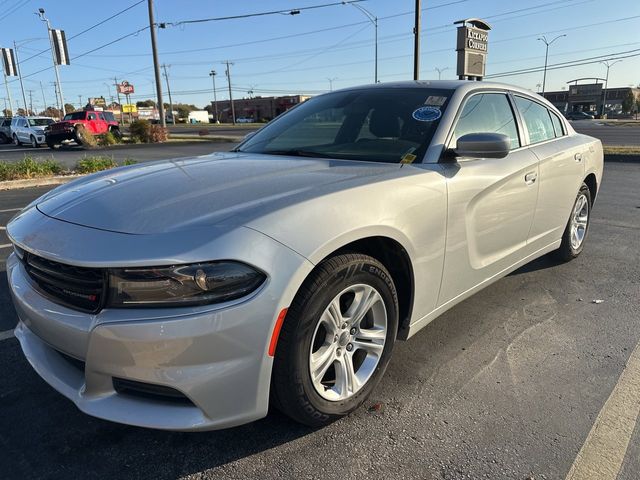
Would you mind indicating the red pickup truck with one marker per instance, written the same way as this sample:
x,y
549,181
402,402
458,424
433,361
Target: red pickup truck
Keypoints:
x,y
73,127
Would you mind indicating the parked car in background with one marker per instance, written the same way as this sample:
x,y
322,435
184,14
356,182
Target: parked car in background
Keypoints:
x,y
187,294
5,130
579,116
74,127
29,129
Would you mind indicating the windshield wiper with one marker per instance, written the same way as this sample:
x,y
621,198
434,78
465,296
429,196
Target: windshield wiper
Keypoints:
x,y
295,152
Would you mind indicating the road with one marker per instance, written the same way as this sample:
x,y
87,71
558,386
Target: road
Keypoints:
x,y
507,385
68,157
239,130
609,134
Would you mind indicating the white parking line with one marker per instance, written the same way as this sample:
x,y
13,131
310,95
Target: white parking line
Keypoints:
x,y
6,335
11,210
6,245
603,452
2,227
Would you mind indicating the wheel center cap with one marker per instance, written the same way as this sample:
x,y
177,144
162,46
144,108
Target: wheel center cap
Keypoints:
x,y
344,339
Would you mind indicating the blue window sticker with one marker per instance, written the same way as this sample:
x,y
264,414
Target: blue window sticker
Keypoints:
x,y
426,114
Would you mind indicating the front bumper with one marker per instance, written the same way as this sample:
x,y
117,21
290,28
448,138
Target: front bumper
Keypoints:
x,y
216,356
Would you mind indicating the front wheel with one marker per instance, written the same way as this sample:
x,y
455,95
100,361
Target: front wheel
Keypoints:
x,y
575,233
336,340
16,141
34,142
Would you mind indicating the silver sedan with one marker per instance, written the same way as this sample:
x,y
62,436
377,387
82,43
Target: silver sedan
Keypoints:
x,y
193,294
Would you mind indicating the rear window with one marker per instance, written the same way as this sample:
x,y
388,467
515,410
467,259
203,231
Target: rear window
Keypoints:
x,y
537,119
557,124
108,116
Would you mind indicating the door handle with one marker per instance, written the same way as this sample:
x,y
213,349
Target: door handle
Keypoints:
x,y
578,157
530,178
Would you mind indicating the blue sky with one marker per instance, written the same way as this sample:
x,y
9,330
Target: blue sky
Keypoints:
x,y
303,61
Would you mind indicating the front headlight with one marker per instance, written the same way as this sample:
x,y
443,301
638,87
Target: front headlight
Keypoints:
x,y
182,285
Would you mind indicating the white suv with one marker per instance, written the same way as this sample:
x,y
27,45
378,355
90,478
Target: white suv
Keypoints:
x,y
29,130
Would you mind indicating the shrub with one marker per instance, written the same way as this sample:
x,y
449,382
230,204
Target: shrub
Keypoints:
x,y
140,131
84,137
95,164
107,139
129,161
29,168
157,134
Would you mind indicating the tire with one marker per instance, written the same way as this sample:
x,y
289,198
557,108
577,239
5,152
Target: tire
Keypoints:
x,y
4,139
575,233
80,135
16,142
311,332
116,133
34,142
51,145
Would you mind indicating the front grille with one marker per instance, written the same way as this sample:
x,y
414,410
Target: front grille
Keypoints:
x,y
77,287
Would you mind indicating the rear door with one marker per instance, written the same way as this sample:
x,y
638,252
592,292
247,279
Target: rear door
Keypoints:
x,y
491,202
561,158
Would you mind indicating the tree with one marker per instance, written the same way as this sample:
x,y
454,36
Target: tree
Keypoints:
x,y
51,112
183,109
69,108
628,102
7,113
146,103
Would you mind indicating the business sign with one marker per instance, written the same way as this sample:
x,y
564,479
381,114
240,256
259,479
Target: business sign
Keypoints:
x,y
9,62
60,51
125,87
129,108
472,48
588,89
97,101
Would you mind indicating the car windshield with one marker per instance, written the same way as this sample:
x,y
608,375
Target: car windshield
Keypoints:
x,y
373,124
74,116
40,122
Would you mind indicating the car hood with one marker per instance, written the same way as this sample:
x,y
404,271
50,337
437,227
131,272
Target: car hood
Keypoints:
x,y
218,189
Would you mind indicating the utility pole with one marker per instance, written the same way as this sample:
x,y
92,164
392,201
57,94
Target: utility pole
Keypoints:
x,y
55,91
30,102
546,56
115,79
331,83
24,98
80,101
53,56
606,83
228,73
213,74
416,43
6,84
156,65
44,100
166,77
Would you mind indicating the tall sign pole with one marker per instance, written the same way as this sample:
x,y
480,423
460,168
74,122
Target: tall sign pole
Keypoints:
x,y
58,53
156,64
416,43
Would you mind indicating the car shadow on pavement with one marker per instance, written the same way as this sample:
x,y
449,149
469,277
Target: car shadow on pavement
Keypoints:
x,y
43,435
542,263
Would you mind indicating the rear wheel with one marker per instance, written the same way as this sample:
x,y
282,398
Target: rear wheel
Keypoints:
x,y
336,341
116,133
575,233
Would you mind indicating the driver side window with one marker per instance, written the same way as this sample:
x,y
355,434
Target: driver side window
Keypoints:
x,y
487,113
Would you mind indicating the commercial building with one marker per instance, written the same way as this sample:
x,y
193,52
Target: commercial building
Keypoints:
x,y
258,108
589,97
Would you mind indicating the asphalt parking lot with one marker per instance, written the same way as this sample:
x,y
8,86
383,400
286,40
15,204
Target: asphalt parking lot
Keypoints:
x,y
511,384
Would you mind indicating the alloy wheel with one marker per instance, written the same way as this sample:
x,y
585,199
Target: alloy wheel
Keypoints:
x,y
348,342
579,221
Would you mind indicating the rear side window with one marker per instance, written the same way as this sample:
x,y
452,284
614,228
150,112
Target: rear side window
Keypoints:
x,y
487,113
557,124
537,119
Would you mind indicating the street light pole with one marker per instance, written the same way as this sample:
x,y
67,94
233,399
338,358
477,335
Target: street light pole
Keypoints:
x,y
53,56
213,74
228,73
166,77
606,83
440,70
374,20
156,64
546,57
24,97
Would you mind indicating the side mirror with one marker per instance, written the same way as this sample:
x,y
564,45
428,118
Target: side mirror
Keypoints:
x,y
483,145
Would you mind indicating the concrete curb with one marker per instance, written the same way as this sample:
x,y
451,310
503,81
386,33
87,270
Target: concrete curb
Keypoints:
x,y
37,182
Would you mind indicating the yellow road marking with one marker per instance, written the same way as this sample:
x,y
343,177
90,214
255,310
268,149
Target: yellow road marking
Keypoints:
x,y
604,450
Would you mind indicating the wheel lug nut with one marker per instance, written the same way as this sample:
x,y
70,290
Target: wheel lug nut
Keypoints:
x,y
344,325
352,331
339,352
335,339
349,347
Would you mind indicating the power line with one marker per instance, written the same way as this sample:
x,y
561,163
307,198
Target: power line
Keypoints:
x,y
13,9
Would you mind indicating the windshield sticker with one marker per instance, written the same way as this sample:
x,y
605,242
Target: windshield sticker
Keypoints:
x,y
435,101
408,158
426,114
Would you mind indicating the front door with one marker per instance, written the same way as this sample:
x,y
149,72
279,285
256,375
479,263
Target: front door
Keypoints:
x,y
491,202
